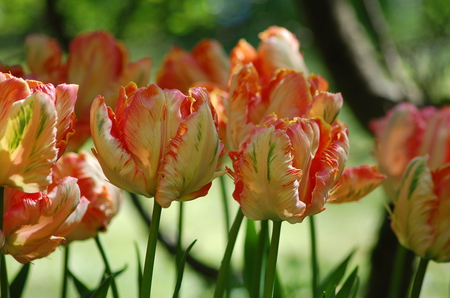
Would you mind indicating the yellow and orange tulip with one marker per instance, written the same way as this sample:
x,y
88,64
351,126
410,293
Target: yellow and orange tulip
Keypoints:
x,y
36,123
289,94
279,49
105,199
158,143
31,220
421,208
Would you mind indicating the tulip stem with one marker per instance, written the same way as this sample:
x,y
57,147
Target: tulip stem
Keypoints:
x,y
226,210
65,272
106,262
418,279
178,248
223,271
272,261
3,272
396,280
146,286
314,260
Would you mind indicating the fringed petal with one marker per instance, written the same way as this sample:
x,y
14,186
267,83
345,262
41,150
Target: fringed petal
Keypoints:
x,y
117,163
326,105
192,159
266,182
27,146
355,183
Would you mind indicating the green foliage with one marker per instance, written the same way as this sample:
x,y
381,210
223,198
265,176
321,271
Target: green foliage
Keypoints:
x,y
18,284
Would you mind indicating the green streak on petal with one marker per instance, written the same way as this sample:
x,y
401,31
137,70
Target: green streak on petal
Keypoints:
x,y
213,159
270,157
19,126
252,156
416,176
43,120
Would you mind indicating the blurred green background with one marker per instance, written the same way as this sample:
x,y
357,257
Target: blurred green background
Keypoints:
x,y
420,30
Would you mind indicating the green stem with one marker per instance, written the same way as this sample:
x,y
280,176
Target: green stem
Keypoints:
x,y
178,249
3,272
418,279
65,272
396,280
106,262
146,286
314,260
223,271
226,210
272,261
259,258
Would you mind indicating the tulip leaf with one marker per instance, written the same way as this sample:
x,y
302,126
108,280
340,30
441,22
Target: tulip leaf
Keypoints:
x,y
139,273
18,284
350,286
277,289
102,290
333,279
181,269
83,291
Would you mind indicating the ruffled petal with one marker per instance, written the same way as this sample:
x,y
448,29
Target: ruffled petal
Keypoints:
x,y
355,183
27,146
192,159
117,163
266,182
326,105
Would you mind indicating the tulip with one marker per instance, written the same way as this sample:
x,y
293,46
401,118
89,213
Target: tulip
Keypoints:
x,y
158,143
96,61
206,64
289,94
420,217
105,199
32,219
278,49
36,122
407,132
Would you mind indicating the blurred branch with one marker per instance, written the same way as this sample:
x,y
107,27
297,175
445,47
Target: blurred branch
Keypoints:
x,y
56,23
392,58
351,59
209,273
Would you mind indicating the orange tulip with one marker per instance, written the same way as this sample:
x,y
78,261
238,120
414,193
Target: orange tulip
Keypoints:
x,y
278,49
206,64
421,208
31,220
407,132
96,61
36,122
289,94
158,143
105,199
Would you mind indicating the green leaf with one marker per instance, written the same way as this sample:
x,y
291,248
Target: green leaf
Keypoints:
x,y
334,277
139,273
250,245
348,289
181,269
277,289
102,290
83,291
18,284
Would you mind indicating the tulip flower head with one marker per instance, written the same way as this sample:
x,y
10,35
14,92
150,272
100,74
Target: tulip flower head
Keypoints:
x,y
158,143
97,62
289,94
36,123
31,220
206,64
420,218
104,198
407,132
